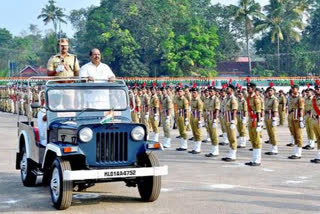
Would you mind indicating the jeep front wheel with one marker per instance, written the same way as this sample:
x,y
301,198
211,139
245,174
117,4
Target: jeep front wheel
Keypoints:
x,y
60,189
26,166
149,187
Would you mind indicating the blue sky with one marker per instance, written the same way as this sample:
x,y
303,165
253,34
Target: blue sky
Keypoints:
x,y
17,15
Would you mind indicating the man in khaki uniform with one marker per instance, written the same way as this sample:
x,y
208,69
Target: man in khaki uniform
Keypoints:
x,y
187,95
316,120
230,111
182,119
154,113
212,121
282,107
254,124
291,144
63,64
223,100
308,118
145,102
206,101
271,120
195,120
135,113
297,123
242,117
166,114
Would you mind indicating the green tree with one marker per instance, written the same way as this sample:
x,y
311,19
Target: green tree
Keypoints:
x,y
246,12
52,13
284,17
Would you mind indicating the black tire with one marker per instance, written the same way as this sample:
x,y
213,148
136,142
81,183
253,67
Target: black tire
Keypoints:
x,y
26,166
149,187
60,190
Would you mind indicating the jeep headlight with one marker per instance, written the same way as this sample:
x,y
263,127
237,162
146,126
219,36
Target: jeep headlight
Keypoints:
x,y
85,134
137,133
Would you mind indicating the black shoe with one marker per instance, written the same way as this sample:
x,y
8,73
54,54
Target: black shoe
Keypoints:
x,y
191,138
191,151
181,149
223,144
210,155
308,147
252,164
270,153
228,159
221,135
251,149
315,161
166,147
267,142
195,152
241,147
178,137
294,157
290,144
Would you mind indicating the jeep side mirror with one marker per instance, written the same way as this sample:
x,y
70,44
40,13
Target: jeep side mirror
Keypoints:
x,y
35,105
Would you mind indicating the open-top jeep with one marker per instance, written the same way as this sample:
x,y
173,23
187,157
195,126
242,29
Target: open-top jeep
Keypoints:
x,y
88,138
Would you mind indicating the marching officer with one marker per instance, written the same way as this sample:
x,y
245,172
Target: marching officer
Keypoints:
x,y
187,94
182,118
316,120
213,109
297,123
206,101
195,120
166,114
282,107
145,102
223,100
230,110
254,124
271,120
154,113
242,116
135,113
308,118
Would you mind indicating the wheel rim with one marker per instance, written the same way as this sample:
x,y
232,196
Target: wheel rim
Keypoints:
x,y
55,184
24,166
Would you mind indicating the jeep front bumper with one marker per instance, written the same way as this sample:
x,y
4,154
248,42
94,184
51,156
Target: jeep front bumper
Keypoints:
x,y
78,175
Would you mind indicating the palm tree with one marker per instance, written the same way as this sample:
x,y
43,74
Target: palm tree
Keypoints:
x,y
246,12
283,17
52,13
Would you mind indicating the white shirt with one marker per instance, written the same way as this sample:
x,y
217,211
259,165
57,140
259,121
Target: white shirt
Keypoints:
x,y
102,71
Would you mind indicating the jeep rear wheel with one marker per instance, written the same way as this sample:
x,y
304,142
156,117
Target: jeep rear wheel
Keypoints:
x,y
60,189
26,166
149,187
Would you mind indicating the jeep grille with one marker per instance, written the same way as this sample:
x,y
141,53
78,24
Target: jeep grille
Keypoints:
x,y
112,147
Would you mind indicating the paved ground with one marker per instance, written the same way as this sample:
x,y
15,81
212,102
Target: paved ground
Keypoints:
x,y
195,184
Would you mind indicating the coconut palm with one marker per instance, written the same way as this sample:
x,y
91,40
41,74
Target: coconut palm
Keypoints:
x,y
52,13
284,17
246,12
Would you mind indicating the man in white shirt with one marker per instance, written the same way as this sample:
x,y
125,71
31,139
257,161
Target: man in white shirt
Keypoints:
x,y
96,70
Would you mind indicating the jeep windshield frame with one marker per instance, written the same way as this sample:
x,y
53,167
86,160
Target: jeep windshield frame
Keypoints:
x,y
93,98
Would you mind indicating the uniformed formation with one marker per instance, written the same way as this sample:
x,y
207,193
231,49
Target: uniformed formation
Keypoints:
x,y
237,110
16,98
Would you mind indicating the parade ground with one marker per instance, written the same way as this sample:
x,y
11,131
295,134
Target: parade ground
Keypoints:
x,y
195,183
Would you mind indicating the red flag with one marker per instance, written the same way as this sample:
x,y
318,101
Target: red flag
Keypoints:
x,y
291,82
180,84
317,82
308,85
144,84
154,84
237,85
248,80
230,81
194,85
240,87
135,85
271,84
213,83
163,84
